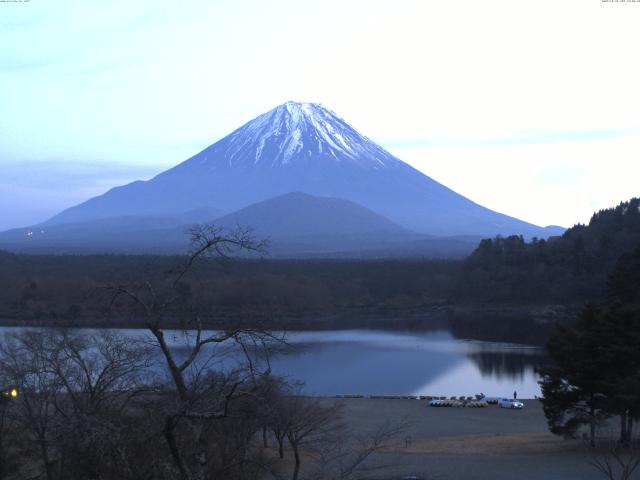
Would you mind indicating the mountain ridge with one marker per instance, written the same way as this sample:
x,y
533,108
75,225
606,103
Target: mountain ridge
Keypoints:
x,y
315,152
297,214
295,225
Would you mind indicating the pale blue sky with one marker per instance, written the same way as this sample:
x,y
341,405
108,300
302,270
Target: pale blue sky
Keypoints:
x,y
530,108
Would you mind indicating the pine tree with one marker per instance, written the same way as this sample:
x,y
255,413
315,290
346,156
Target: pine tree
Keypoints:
x,y
574,387
596,362
623,320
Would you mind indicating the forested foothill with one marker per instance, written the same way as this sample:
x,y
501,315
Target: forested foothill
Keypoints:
x,y
504,279
572,268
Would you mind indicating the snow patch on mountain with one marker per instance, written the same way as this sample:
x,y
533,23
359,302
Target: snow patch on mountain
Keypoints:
x,y
294,130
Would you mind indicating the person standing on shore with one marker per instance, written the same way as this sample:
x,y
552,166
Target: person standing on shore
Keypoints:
x,y
515,395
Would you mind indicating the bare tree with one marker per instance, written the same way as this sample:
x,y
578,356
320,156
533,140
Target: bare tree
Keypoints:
x,y
173,404
315,431
614,460
73,392
97,370
343,454
23,366
101,374
306,420
8,464
198,395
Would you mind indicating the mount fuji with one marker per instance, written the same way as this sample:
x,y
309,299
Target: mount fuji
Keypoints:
x,y
296,147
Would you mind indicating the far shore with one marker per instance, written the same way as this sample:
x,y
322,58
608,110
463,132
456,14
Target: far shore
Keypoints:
x,y
512,324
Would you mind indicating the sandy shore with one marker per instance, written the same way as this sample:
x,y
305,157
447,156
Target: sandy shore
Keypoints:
x,y
469,443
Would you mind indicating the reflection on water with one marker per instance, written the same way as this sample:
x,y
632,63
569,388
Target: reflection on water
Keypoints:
x,y
383,362
510,364
392,363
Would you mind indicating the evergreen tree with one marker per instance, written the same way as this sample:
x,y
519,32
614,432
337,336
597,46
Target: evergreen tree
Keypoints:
x,y
573,388
623,320
596,361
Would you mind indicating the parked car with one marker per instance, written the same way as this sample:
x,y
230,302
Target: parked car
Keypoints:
x,y
510,403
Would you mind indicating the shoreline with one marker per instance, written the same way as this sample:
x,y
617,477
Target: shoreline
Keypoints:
x,y
469,443
525,325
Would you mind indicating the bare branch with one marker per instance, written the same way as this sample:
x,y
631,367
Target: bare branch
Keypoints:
x,y
212,240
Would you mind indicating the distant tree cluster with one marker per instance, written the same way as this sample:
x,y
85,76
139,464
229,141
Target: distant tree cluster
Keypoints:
x,y
570,268
63,290
596,371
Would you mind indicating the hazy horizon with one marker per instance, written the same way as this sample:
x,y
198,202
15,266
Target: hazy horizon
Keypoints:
x,y
530,110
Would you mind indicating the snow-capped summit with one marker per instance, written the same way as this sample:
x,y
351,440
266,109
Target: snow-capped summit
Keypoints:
x,y
301,147
299,132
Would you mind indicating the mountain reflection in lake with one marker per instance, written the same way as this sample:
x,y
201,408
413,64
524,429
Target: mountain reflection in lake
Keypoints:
x,y
393,363
369,362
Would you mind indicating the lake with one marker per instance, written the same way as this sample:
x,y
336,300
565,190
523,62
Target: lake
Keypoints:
x,y
381,362
408,363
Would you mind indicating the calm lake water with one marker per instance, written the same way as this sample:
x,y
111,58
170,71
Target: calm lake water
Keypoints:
x,y
380,362
401,363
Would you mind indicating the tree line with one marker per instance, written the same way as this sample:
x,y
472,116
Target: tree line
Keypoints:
x,y
572,268
568,270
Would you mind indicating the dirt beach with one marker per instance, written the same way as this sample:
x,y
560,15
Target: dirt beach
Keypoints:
x,y
469,443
